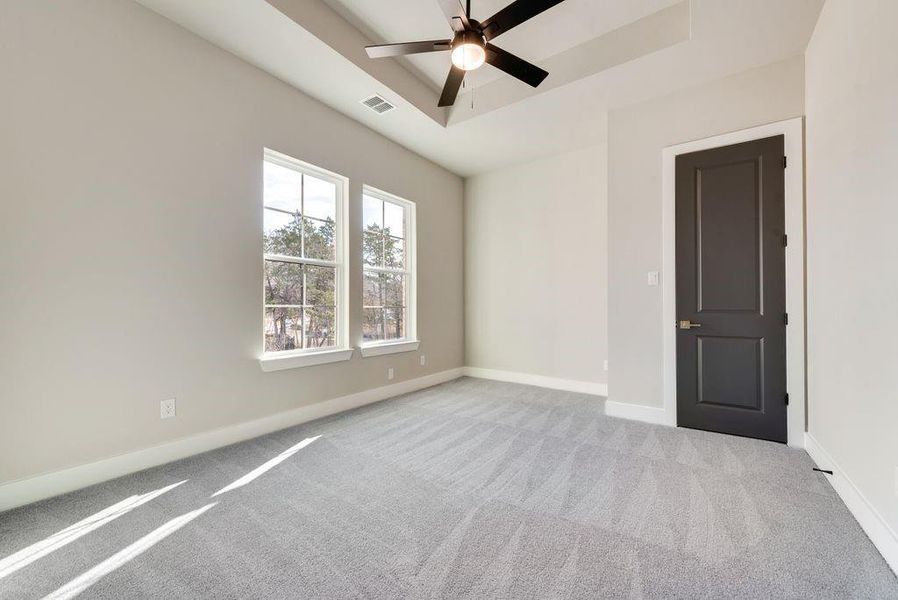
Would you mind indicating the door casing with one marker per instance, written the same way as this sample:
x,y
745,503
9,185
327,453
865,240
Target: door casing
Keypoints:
x,y
793,131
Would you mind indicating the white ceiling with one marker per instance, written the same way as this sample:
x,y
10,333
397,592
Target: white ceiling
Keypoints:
x,y
310,42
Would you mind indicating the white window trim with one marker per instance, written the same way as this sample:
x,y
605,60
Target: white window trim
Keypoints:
x,y
390,347
277,361
410,342
293,360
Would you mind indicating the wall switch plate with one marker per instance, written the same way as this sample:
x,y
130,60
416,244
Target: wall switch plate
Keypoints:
x,y
423,360
390,373
654,277
605,364
167,408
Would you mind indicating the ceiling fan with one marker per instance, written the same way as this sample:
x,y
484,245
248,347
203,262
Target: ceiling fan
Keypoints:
x,y
471,45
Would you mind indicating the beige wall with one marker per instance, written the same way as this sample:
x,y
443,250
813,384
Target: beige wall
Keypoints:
x,y
636,136
130,235
535,274
852,156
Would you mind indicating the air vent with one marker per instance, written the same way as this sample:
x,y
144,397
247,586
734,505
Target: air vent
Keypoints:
x,y
378,104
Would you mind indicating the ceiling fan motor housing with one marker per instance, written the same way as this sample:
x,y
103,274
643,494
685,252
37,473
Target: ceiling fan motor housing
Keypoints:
x,y
470,36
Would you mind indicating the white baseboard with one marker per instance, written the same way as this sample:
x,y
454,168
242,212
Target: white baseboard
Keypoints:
x,y
876,528
555,383
621,410
636,412
32,489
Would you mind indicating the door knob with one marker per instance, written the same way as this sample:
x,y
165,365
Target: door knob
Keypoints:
x,y
689,324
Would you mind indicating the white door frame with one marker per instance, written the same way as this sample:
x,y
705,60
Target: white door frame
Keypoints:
x,y
793,130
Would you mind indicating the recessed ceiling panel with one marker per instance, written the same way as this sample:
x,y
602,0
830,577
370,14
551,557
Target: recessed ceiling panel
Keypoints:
x,y
560,28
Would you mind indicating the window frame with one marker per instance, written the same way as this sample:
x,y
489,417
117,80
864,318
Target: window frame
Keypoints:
x,y
410,341
341,350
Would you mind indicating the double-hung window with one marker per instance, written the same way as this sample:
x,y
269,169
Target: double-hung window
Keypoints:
x,y
304,286
388,262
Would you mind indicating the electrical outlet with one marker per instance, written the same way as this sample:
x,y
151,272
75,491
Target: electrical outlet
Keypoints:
x,y
390,373
423,360
167,408
654,278
605,364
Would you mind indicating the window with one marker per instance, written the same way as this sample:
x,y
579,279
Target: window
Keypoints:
x,y
304,274
388,258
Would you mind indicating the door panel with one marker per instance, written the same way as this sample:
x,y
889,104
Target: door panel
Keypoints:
x,y
729,371
728,252
730,219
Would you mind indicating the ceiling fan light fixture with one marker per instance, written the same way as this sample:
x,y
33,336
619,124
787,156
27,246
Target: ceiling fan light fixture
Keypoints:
x,y
468,51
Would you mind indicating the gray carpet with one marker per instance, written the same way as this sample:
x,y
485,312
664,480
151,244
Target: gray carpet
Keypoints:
x,y
472,489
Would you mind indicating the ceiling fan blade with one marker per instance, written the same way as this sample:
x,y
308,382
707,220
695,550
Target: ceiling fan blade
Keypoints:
x,y
387,50
514,66
453,83
455,13
513,15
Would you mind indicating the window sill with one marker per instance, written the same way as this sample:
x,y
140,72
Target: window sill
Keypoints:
x,y
389,348
308,359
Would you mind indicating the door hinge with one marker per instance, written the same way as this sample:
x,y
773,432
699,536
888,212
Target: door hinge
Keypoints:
x,y
785,162
785,240
785,318
787,399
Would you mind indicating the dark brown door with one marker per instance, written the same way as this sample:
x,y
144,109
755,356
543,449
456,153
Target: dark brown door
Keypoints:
x,y
731,290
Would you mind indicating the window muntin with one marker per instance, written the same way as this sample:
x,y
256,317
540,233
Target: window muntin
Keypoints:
x,y
303,270
387,259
